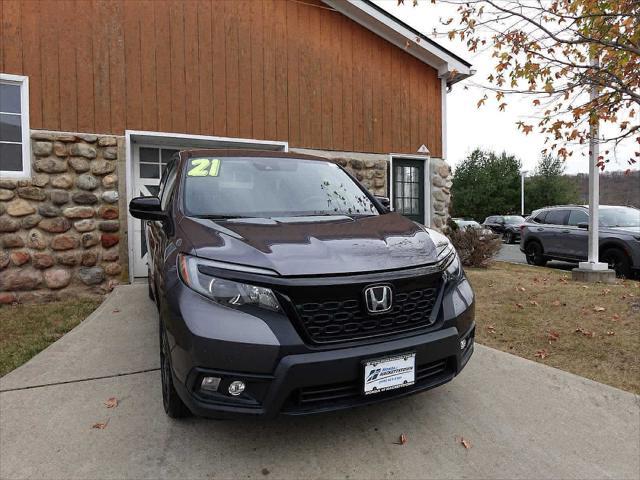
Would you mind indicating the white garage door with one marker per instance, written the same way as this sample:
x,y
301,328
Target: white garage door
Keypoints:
x,y
150,152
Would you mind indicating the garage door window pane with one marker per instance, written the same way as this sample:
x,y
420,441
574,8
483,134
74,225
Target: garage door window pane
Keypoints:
x,y
10,157
149,155
149,170
166,154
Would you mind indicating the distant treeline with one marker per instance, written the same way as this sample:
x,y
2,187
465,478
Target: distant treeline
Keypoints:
x,y
616,188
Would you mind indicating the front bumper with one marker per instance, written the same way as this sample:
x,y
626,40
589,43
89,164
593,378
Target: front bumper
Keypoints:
x,y
283,375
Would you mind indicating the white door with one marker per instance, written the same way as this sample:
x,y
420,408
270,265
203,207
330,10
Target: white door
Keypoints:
x,y
149,162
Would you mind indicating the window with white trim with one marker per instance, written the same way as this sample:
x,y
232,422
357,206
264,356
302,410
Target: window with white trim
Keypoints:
x,y
15,158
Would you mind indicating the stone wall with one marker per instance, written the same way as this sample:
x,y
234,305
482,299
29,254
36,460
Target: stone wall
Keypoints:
x,y
60,230
440,173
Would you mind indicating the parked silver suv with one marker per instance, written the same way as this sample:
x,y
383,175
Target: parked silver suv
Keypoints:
x,y
561,233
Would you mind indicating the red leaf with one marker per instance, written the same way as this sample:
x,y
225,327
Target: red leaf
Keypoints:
x,y
100,425
111,403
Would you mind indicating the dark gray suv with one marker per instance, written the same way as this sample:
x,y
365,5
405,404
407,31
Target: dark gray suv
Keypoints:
x,y
561,233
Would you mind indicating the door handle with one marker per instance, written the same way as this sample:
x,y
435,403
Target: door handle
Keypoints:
x,y
566,231
540,229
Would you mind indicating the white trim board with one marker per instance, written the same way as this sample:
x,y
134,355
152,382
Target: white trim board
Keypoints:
x,y
23,82
181,140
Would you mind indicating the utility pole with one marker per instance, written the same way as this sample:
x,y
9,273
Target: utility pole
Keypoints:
x,y
523,174
593,270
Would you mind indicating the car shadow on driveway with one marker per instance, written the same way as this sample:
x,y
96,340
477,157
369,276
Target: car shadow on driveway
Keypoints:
x,y
521,419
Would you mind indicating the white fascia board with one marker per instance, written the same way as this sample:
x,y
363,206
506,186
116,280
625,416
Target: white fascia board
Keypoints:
x,y
383,26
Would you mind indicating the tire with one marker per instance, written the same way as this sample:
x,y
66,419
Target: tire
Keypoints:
x,y
508,237
534,254
173,405
618,261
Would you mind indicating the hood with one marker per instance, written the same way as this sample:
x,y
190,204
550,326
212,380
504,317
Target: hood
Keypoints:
x,y
313,245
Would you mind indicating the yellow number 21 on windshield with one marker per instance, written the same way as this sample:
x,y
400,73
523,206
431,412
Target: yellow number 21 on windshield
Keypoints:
x,y
204,167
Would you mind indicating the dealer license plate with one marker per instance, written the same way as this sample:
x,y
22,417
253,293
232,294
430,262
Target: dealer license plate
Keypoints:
x,y
388,373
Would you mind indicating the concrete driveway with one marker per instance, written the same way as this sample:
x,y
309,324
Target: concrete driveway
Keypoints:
x,y
522,419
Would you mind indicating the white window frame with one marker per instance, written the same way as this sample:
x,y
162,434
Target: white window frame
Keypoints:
x,y
23,82
427,181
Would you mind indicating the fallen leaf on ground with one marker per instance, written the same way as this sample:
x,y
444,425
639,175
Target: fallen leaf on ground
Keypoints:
x,y
552,336
100,425
402,440
520,306
584,332
585,286
599,309
111,403
605,292
465,443
610,333
491,328
116,310
541,354
265,471
615,317
521,289
556,303
534,303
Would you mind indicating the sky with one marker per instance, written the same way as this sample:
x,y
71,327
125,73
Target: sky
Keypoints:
x,y
469,127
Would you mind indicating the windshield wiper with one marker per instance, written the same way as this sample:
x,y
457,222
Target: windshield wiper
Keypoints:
x,y
221,217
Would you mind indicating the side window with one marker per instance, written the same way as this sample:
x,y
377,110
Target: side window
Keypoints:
x,y
556,217
167,187
539,218
577,216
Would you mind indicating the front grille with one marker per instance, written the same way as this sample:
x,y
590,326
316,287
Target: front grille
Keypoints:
x,y
327,395
347,319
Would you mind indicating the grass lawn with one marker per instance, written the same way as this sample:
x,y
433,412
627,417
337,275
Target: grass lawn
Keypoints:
x,y
592,330
26,330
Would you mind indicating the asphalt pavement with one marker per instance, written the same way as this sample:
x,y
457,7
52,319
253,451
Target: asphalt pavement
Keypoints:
x,y
511,253
519,419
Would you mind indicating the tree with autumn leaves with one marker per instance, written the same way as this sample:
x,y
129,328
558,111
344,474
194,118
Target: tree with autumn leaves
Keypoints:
x,y
554,52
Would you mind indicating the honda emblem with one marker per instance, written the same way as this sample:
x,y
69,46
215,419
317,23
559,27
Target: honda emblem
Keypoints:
x,y
378,298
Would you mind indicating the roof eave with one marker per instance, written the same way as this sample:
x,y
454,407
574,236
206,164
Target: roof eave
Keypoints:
x,y
364,12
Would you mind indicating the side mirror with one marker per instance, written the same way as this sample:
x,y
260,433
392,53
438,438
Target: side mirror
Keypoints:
x,y
147,208
385,202
584,225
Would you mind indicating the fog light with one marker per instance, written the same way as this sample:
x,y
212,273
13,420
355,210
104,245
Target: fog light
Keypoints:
x,y
210,383
463,344
236,388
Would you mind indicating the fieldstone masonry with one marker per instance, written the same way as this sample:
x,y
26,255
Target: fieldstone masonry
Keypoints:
x,y
60,230
441,181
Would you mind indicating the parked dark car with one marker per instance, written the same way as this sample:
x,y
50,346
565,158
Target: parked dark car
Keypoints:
x,y
283,286
561,233
506,225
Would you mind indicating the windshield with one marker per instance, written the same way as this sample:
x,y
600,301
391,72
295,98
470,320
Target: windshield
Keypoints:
x,y
270,187
619,217
513,219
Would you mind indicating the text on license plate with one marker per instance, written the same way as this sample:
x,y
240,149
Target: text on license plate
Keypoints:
x,y
390,372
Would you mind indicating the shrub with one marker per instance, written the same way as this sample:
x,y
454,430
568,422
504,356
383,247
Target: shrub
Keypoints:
x,y
475,248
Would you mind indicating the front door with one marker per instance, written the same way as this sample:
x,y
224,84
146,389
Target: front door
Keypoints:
x,y
408,188
149,162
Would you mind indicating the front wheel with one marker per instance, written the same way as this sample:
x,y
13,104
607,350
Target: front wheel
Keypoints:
x,y
174,407
534,254
508,237
618,261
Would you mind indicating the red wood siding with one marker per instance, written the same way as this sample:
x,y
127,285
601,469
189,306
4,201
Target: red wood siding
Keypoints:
x,y
275,70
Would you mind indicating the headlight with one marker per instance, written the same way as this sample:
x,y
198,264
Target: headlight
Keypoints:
x,y
225,292
447,257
